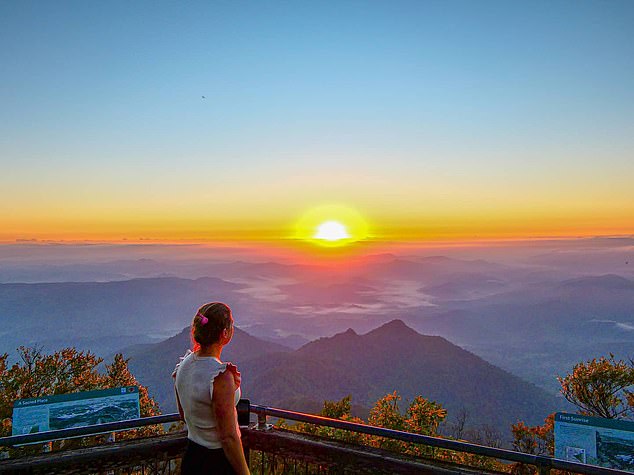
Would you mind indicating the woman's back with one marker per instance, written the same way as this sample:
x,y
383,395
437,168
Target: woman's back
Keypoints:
x,y
194,384
207,392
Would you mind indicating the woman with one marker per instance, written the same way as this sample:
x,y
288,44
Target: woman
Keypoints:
x,y
207,391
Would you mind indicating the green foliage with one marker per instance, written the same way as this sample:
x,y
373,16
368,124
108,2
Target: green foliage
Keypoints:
x,y
601,388
387,414
421,417
537,440
333,410
424,416
337,409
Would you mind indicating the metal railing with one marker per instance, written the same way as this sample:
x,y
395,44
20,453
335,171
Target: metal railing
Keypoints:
x,y
543,463
85,431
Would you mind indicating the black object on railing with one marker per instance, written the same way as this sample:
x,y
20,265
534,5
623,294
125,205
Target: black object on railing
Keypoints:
x,y
244,412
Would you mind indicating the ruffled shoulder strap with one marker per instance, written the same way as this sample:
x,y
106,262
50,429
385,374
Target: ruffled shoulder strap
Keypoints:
x,y
181,358
233,368
222,367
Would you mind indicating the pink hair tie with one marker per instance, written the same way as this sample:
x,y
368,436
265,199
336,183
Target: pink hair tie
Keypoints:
x,y
203,319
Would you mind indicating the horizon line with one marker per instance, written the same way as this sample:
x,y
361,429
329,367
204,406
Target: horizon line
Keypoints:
x,y
295,241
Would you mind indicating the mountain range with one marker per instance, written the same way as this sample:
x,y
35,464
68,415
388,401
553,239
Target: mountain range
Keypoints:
x,y
543,329
531,320
390,358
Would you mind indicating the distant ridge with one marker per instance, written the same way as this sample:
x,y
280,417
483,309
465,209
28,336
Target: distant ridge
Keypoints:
x,y
606,282
388,358
75,312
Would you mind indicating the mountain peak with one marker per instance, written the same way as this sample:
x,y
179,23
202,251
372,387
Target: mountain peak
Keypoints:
x,y
348,335
346,339
395,327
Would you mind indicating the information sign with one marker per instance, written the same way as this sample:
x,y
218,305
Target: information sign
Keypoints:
x,y
82,409
595,441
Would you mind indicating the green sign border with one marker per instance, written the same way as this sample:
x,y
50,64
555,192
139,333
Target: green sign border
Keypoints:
x,y
57,398
618,424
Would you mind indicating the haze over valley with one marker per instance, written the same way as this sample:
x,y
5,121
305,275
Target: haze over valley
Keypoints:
x,y
533,309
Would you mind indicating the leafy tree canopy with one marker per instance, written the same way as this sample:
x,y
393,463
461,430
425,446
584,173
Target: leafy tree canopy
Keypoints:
x,y
537,440
601,388
65,371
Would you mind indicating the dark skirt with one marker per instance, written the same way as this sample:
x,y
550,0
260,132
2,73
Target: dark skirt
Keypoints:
x,y
199,460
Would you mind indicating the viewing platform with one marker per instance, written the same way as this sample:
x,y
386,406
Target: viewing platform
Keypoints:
x,y
269,450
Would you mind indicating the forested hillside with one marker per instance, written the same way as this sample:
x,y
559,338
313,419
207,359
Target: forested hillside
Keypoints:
x,y
392,357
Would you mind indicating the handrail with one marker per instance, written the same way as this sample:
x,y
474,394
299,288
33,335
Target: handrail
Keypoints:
x,y
543,463
95,429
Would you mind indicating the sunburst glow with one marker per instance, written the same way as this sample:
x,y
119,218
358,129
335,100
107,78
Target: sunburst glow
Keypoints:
x,y
331,225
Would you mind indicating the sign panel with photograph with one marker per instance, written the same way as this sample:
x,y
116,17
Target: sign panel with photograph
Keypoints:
x,y
64,411
595,441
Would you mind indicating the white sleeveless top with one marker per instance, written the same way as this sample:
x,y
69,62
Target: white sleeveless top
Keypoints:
x,y
195,385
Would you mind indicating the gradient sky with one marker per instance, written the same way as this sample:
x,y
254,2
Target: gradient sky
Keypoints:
x,y
432,119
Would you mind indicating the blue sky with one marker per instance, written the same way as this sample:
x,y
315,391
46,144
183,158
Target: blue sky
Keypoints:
x,y
407,111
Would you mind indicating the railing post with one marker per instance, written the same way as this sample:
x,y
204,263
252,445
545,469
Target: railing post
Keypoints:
x,y
543,465
261,421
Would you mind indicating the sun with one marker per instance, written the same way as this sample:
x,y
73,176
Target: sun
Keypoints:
x,y
331,226
331,231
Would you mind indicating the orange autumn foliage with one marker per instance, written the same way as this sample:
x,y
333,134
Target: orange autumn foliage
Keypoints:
x,y
65,371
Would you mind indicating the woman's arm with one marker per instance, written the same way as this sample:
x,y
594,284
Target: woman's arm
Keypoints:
x,y
223,405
